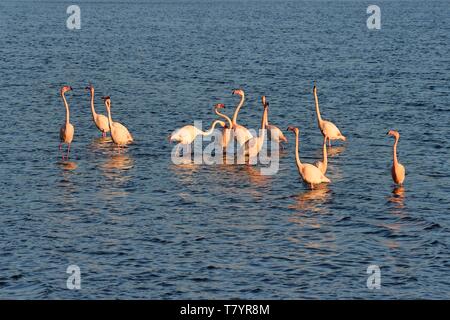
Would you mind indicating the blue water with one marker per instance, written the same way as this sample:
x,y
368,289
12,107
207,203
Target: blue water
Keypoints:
x,y
139,226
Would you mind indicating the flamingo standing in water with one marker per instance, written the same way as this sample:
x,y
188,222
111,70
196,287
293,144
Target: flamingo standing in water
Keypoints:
x,y
226,131
241,133
398,170
309,173
255,144
323,164
67,130
327,128
273,131
100,120
187,134
119,133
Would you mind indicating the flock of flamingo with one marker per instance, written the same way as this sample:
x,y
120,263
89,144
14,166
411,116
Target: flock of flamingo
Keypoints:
x,y
119,133
311,174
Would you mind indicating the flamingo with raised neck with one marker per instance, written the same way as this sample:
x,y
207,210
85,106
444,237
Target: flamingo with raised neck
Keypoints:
x,y
241,133
100,120
119,133
226,131
255,144
398,170
309,173
274,133
327,128
187,134
67,130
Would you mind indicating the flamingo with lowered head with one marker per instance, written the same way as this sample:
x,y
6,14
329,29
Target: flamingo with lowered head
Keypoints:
x,y
100,120
309,173
241,133
398,170
67,130
255,144
323,164
119,133
273,131
187,134
327,128
226,131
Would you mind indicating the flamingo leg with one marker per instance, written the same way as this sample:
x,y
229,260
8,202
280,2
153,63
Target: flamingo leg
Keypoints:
x,y
329,142
68,151
312,186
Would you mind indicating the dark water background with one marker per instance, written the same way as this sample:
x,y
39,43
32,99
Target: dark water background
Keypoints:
x,y
140,227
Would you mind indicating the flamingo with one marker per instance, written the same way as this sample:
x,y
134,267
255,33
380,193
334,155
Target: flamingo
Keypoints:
x,y
323,164
119,133
309,173
67,130
327,128
187,134
226,131
100,120
398,170
241,133
255,144
274,132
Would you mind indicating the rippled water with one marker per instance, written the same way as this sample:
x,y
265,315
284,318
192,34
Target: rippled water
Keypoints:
x,y
140,227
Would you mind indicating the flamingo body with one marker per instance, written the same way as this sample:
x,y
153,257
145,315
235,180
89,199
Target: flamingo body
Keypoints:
x,y
120,134
312,175
185,135
398,173
276,134
242,134
102,123
66,133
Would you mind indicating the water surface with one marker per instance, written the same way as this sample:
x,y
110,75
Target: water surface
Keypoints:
x,y
140,227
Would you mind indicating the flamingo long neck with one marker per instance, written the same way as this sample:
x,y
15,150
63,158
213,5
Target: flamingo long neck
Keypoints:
x,y
263,126
325,156
108,108
394,150
227,118
66,105
316,100
92,106
297,156
241,103
207,133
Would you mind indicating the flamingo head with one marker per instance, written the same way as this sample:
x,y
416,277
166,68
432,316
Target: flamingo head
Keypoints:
x,y
90,87
65,89
263,100
394,133
293,129
219,106
239,92
107,101
315,88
